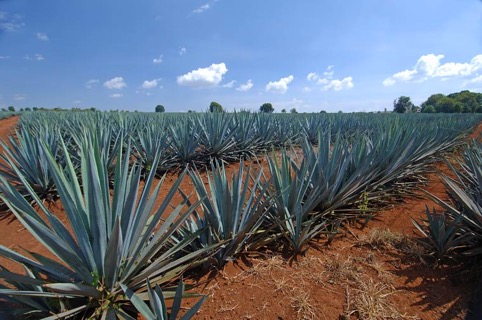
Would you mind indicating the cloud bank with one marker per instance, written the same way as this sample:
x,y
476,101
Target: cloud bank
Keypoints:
x,y
430,66
203,77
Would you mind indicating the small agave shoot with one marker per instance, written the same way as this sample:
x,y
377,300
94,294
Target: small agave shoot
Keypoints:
x,y
113,248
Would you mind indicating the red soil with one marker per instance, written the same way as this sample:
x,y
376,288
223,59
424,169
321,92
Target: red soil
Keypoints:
x,y
329,281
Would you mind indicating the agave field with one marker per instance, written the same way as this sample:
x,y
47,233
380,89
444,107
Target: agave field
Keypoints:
x,y
123,247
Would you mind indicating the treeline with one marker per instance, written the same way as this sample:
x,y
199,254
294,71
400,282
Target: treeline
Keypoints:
x,y
459,102
12,109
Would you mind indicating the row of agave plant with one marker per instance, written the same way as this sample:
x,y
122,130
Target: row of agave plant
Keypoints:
x,y
176,141
456,231
119,248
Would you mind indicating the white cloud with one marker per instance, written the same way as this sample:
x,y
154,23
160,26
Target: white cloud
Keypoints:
x,y
245,87
42,36
204,77
307,89
474,80
116,95
430,66
329,71
327,82
388,82
453,69
205,7
406,75
35,57
19,97
280,86
312,76
150,84
4,57
77,102
89,84
230,84
337,85
10,23
158,60
202,8
115,83
295,103
182,51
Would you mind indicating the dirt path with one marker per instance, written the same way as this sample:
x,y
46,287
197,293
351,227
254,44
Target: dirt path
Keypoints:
x,y
329,281
13,234
7,126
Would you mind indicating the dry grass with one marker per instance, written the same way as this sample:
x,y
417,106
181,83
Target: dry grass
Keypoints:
x,y
368,285
369,300
303,306
384,239
411,249
343,270
262,267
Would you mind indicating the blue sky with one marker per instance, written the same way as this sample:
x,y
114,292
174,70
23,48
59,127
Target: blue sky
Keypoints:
x,y
312,55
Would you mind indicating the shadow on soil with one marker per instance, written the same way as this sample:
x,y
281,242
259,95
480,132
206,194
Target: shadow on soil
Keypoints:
x,y
450,285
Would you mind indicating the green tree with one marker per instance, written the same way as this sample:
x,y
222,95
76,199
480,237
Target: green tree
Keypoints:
x,y
429,109
293,110
468,99
449,105
402,105
160,108
283,110
11,108
35,109
266,108
215,107
432,100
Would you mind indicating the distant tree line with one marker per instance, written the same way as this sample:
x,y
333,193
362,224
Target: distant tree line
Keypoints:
x,y
12,109
459,102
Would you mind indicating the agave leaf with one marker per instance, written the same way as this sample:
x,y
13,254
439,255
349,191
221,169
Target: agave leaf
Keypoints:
x,y
113,256
74,289
156,298
11,276
12,292
194,309
67,314
140,305
53,271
